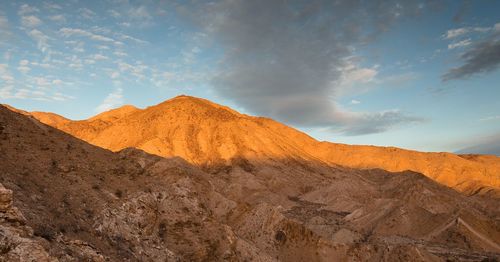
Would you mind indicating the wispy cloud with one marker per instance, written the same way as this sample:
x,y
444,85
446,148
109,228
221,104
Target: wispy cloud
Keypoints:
x,y
458,32
58,18
113,100
68,32
483,57
87,13
490,118
25,9
30,21
41,39
462,43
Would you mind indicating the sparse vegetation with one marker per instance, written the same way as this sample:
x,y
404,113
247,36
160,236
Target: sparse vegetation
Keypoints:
x,y
45,232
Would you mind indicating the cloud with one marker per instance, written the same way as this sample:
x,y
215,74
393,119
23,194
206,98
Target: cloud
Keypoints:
x,y
27,9
5,75
99,57
41,39
355,102
58,18
490,118
23,69
52,6
30,21
67,32
113,100
458,32
483,57
131,38
370,123
114,13
483,145
462,43
87,13
288,60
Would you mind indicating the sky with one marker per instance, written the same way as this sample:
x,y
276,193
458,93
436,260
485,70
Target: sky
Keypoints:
x,y
421,75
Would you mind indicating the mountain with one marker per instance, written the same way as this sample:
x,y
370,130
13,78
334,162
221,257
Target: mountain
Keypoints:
x,y
210,136
69,200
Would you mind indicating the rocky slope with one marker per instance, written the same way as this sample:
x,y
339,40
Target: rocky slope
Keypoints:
x,y
85,203
207,134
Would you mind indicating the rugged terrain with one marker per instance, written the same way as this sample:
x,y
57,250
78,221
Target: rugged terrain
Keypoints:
x,y
252,197
208,134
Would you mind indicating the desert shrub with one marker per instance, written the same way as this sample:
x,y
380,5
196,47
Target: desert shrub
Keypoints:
x,y
44,231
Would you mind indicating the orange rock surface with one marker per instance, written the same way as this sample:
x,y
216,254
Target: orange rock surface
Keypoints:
x,y
205,133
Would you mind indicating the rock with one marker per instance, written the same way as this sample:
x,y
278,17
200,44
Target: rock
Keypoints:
x,y
5,199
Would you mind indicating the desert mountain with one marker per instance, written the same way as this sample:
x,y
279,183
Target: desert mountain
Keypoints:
x,y
67,200
210,135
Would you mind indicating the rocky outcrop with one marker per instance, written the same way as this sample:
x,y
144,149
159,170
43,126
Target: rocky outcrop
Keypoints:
x,y
17,242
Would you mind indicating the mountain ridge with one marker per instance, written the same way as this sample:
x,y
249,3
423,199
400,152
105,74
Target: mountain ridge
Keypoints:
x,y
205,133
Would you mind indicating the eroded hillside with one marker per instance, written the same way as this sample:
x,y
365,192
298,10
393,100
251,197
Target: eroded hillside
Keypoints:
x,y
208,134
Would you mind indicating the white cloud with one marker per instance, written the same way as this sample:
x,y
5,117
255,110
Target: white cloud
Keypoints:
x,y
139,13
58,18
24,62
119,53
67,32
23,69
4,22
30,21
41,39
490,118
42,65
354,79
497,27
462,43
27,9
454,33
5,74
87,13
99,57
52,6
136,70
127,37
113,100
355,102
57,82
41,82
114,13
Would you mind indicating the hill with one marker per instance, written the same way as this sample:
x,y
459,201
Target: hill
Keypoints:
x,y
208,134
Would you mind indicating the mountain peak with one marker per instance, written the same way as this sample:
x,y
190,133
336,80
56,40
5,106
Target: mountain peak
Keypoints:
x,y
195,105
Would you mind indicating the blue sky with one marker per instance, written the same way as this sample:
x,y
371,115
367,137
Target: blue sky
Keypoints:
x,y
418,75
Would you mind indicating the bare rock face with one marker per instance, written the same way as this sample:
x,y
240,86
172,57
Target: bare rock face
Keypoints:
x,y
5,199
17,242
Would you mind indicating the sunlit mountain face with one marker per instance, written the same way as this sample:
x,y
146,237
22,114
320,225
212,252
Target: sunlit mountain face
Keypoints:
x,y
235,130
415,74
